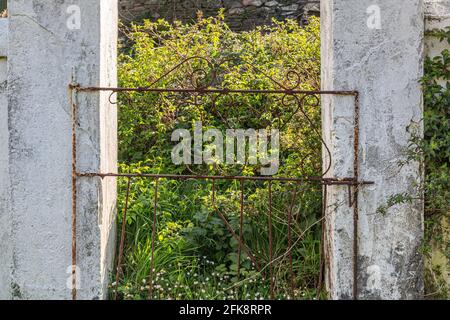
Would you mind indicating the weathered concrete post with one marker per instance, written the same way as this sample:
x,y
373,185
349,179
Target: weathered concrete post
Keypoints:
x,y
5,221
376,48
50,43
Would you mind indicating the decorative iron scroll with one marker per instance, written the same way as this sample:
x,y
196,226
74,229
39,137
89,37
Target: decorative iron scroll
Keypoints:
x,y
200,87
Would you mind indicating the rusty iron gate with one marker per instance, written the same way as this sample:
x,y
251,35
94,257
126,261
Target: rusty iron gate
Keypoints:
x,y
202,84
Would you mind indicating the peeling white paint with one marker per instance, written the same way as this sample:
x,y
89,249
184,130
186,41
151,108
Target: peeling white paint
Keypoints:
x,y
42,55
385,65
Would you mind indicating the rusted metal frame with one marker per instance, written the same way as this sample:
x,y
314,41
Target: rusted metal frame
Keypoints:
x,y
219,91
353,200
355,196
351,182
73,108
324,181
122,238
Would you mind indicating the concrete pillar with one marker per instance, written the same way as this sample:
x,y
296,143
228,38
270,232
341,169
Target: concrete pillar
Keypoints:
x,y
51,42
376,48
5,221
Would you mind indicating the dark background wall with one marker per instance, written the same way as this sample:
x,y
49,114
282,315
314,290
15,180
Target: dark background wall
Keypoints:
x,y
239,14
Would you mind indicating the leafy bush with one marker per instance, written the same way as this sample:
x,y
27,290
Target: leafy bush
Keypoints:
x,y
195,253
434,149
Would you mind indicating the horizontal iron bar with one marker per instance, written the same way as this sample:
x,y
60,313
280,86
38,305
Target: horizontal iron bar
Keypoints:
x,y
221,91
328,181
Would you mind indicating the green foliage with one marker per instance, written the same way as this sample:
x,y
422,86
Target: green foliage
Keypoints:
x,y
195,254
157,47
435,150
435,147
441,34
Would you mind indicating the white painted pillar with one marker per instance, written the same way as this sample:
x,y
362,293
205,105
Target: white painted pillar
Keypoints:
x,y
49,42
5,218
376,48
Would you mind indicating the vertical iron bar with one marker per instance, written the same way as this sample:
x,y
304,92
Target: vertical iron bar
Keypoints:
x,y
272,296
122,238
236,237
213,197
213,192
291,269
74,191
241,225
322,243
350,201
153,239
355,197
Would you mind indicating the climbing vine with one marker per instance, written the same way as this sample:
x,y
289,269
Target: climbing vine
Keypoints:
x,y
434,148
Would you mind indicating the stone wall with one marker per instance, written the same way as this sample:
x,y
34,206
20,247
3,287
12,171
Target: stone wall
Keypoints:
x,y
240,14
